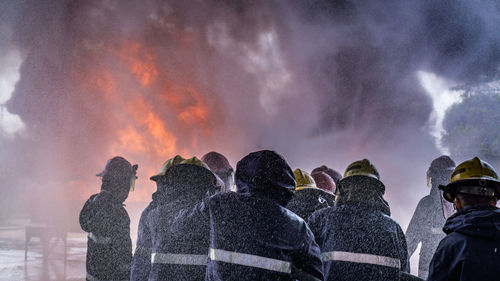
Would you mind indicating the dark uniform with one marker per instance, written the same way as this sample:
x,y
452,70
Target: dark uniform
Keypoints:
x,y
252,235
471,249
109,247
308,200
358,239
141,262
181,236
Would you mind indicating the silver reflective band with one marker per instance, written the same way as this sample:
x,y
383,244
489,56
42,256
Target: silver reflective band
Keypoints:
x,y
89,277
99,239
143,251
250,260
179,259
437,230
361,258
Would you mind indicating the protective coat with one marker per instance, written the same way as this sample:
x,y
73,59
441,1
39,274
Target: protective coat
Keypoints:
x,y
471,249
109,247
180,236
141,262
252,235
308,200
358,239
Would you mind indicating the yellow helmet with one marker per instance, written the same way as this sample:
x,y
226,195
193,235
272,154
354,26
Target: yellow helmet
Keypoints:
x,y
303,180
177,159
195,161
362,168
474,177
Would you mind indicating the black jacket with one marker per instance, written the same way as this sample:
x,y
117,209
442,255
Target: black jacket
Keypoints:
x,y
471,249
141,262
109,247
426,227
358,239
180,235
252,235
308,200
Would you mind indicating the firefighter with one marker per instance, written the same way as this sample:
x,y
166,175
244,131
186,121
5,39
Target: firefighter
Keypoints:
x,y
357,237
252,235
109,248
220,166
181,239
336,176
471,248
308,198
429,217
141,262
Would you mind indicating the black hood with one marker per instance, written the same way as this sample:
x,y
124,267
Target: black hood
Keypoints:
x,y
362,191
187,181
481,222
267,174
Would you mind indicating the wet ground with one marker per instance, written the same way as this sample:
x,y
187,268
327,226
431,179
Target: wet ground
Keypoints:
x,y
49,263
37,266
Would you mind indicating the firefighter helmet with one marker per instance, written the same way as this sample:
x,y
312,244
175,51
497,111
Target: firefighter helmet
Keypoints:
x,y
119,167
169,163
303,180
336,176
474,177
362,168
324,182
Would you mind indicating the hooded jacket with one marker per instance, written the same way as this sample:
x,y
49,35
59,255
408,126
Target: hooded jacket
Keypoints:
x,y
308,200
357,238
471,249
141,262
252,235
109,247
180,237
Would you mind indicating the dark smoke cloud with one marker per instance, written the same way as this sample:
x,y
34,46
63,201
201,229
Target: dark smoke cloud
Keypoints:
x,y
323,82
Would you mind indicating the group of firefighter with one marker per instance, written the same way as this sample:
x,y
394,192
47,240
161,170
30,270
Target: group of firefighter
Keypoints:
x,y
267,222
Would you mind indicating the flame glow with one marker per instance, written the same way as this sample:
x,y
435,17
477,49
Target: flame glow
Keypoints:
x,y
151,116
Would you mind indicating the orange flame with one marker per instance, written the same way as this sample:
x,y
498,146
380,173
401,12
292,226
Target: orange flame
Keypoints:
x,y
151,111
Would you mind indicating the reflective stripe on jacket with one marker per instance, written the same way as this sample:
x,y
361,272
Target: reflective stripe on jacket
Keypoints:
x,y
183,259
359,243
250,260
361,258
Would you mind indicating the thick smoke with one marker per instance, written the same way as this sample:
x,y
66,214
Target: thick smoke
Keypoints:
x,y
322,82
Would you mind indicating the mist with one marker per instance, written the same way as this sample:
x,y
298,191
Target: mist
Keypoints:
x,y
321,82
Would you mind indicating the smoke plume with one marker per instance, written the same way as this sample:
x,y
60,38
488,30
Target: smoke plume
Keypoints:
x,y
321,82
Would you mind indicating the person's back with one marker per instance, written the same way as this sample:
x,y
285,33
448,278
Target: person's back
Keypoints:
x,y
307,201
109,247
307,198
471,249
141,261
428,219
181,236
358,239
359,243
252,236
